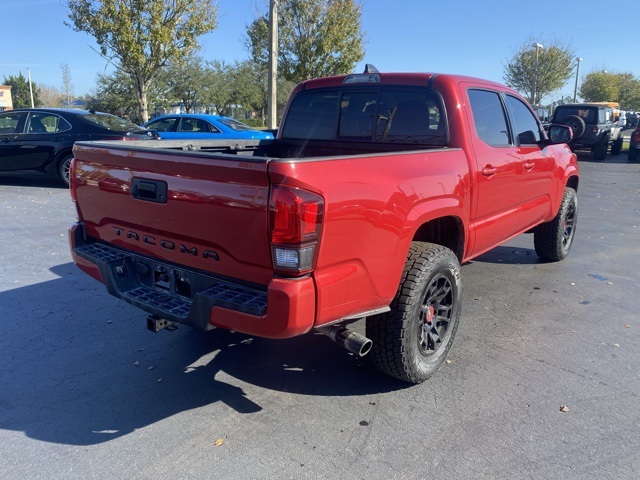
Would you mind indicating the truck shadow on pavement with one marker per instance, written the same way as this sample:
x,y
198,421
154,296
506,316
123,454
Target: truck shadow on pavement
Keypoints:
x,y
78,366
510,255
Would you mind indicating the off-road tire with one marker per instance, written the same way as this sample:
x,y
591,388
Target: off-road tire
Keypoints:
x,y
600,150
576,124
553,240
63,168
412,340
616,146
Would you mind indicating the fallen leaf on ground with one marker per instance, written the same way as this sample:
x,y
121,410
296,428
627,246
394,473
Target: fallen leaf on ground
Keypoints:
x,y
217,443
564,408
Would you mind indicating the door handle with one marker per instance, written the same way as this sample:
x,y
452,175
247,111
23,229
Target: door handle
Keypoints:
x,y
489,170
529,165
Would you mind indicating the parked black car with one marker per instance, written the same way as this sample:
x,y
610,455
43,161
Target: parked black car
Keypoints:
x,y
36,141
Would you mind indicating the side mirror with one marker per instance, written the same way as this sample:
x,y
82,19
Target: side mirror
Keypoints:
x,y
560,134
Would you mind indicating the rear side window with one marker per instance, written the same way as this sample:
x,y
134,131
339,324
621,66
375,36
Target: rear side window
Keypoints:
x,y
110,122
525,126
489,117
383,115
41,122
234,124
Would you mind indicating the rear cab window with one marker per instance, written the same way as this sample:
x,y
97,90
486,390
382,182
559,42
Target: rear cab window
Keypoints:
x,y
382,114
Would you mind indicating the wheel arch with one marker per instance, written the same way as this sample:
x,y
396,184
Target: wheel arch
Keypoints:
x,y
447,231
573,181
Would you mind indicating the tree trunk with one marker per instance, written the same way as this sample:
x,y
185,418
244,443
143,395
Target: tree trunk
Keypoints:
x,y
142,87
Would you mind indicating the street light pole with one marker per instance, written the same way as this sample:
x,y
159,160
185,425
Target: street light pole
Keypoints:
x,y
272,98
537,46
575,90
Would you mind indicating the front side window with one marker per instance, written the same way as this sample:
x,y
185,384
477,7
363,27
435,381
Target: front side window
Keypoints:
x,y
489,117
525,126
162,124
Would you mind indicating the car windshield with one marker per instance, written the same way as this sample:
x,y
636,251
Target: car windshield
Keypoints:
x,y
110,121
234,124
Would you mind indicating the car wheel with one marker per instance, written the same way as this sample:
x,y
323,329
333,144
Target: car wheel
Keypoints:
x,y
64,166
553,240
600,150
616,146
576,124
633,154
412,340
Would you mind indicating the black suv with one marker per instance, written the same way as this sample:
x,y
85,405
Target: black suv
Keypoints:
x,y
593,127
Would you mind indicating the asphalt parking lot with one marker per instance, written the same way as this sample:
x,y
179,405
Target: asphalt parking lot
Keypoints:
x,y
542,382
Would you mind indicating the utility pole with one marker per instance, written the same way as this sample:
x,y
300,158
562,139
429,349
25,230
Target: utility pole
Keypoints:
x,y
272,108
575,90
537,46
30,89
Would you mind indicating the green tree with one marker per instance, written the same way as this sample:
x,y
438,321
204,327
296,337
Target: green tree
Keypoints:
x,y
142,35
544,70
316,38
603,86
185,81
116,94
20,91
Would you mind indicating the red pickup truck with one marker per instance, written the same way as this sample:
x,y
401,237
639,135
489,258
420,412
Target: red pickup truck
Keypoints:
x,y
375,190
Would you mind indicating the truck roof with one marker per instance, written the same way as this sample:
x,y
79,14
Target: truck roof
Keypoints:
x,y
396,78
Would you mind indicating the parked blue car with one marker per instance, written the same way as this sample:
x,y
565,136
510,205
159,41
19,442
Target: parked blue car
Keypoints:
x,y
204,127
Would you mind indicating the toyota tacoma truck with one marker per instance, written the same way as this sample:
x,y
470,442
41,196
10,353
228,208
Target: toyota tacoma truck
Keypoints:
x,y
377,187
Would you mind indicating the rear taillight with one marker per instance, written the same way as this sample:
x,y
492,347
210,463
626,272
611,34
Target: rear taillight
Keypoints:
x,y
295,218
635,136
72,179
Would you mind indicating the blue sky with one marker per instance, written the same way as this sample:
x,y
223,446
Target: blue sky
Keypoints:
x,y
469,37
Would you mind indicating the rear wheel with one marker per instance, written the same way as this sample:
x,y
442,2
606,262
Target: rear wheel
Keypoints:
x,y
64,166
412,340
600,150
633,154
616,146
553,240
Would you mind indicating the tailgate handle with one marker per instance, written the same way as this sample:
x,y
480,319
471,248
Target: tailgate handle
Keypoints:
x,y
149,190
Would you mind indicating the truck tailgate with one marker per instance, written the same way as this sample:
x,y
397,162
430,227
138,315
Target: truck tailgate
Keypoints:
x,y
201,210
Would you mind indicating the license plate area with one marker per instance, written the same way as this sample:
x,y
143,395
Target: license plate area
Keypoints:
x,y
172,281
